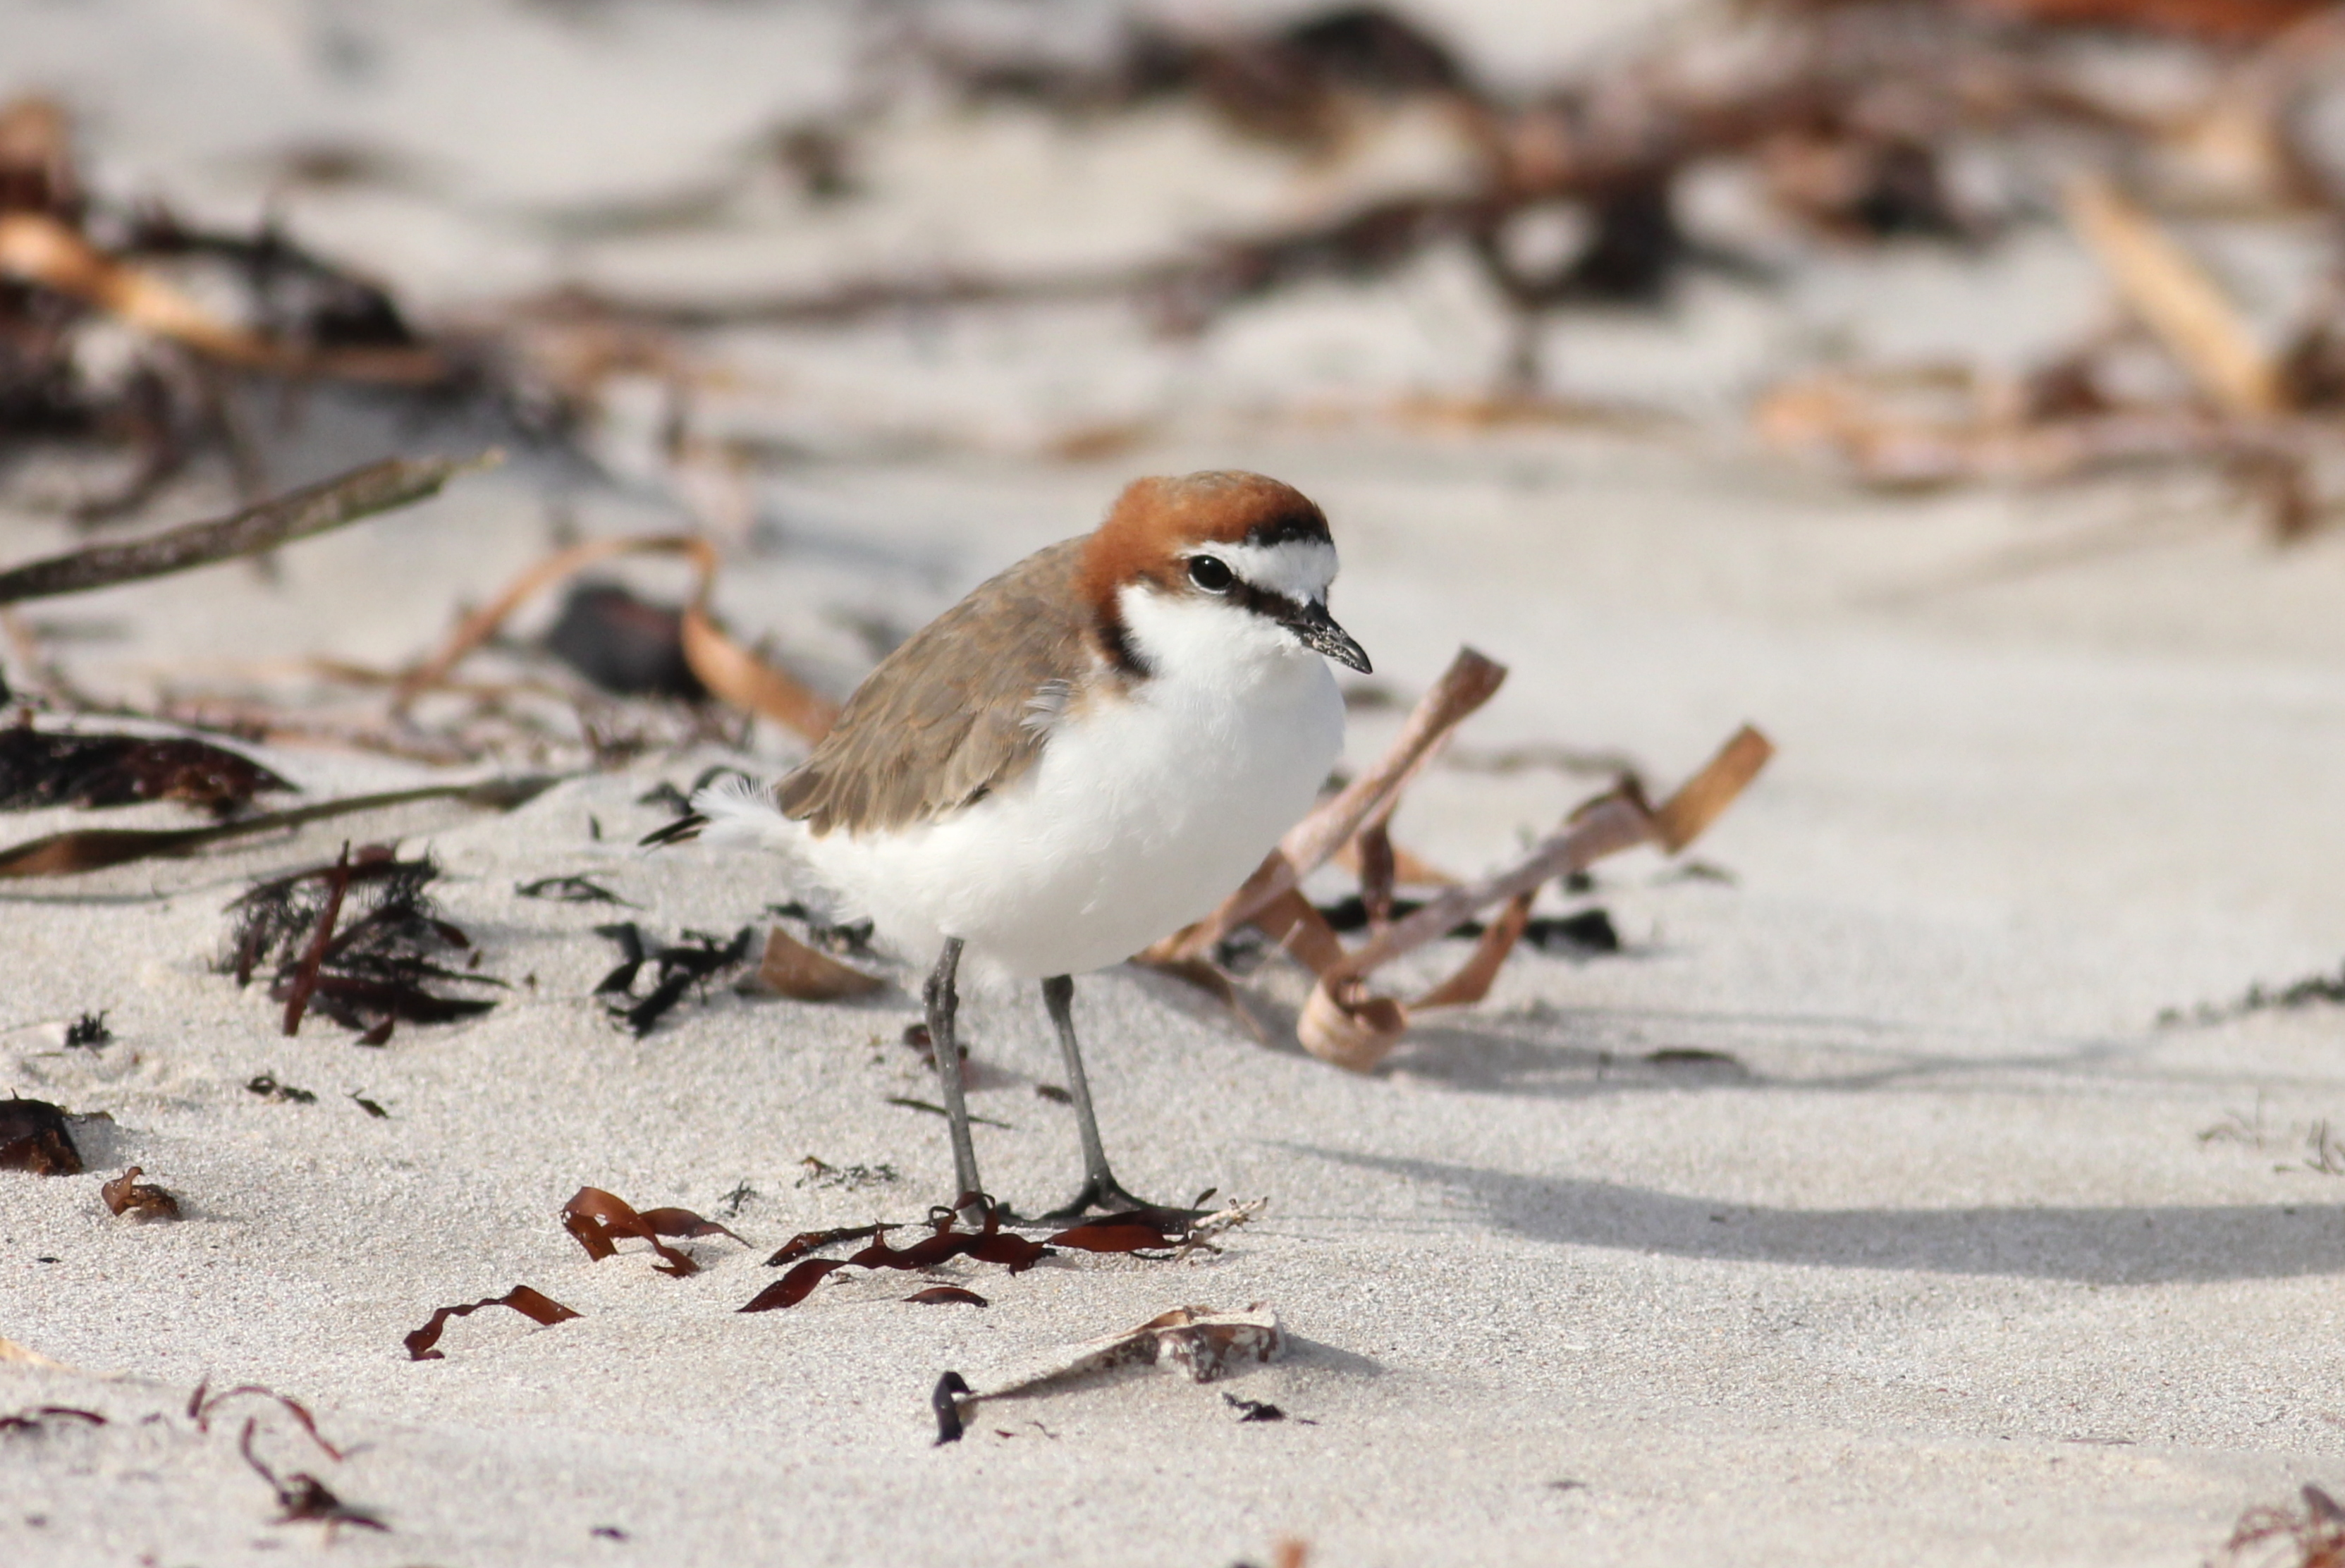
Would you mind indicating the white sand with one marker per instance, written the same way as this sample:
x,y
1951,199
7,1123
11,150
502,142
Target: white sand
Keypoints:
x,y
1938,1269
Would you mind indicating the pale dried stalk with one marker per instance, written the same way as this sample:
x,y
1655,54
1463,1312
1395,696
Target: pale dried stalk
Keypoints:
x,y
37,249
1612,825
1343,1025
2175,298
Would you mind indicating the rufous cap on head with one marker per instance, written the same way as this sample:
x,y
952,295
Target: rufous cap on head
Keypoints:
x,y
1155,519
1225,506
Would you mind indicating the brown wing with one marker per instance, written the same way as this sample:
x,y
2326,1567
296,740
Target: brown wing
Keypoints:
x,y
948,715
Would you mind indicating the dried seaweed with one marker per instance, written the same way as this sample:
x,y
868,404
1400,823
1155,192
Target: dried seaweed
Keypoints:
x,y
571,891
62,767
987,1244
538,1308
930,1108
1258,1410
34,1137
811,1241
302,1498
2310,1537
1585,931
820,1173
366,974
39,1416
127,1195
1136,1231
2312,991
943,1295
89,1032
696,959
852,937
945,1400
600,1221
203,1403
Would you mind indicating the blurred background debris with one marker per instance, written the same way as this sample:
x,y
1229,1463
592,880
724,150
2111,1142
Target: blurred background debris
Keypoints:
x,y
1067,230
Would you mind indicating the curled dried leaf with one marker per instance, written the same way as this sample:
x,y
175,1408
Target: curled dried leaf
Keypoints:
x,y
792,969
1204,1343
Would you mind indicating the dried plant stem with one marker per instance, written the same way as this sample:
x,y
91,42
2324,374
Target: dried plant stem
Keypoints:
x,y
2175,298
94,848
296,515
1342,1022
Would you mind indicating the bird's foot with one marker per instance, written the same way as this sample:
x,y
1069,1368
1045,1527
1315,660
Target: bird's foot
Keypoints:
x,y
1106,1194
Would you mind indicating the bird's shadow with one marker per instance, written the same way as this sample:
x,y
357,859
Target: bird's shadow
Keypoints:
x,y
2118,1244
1586,1052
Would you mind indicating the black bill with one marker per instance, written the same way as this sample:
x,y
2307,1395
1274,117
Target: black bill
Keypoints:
x,y
1320,633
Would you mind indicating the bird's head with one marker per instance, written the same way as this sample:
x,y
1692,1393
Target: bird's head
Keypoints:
x,y
1230,557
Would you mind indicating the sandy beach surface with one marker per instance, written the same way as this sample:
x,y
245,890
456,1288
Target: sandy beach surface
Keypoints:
x,y
1861,1209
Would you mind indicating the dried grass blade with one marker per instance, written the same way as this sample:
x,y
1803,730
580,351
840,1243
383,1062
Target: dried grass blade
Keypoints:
x,y
1473,980
1612,824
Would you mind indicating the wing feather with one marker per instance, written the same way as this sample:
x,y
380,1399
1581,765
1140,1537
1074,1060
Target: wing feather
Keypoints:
x,y
950,714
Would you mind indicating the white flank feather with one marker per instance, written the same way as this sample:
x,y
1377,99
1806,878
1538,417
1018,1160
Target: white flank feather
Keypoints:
x,y
741,813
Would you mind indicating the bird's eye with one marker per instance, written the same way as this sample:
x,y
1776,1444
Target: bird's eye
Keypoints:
x,y
1210,575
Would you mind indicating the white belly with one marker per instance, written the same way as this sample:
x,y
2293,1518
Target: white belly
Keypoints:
x,y
1140,815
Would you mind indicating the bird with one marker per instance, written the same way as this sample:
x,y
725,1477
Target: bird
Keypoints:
x,y
1083,756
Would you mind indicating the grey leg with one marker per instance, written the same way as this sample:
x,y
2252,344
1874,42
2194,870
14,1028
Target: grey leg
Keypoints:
x,y
943,1002
1100,1188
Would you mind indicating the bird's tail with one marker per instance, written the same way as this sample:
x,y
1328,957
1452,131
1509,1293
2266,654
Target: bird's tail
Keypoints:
x,y
733,809
740,811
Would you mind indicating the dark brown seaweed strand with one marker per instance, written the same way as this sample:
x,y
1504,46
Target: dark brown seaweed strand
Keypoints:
x,y
304,977
989,1244
201,1405
598,1219
296,515
531,1304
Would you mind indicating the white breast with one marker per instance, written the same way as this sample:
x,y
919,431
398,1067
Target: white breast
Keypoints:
x,y
1142,813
